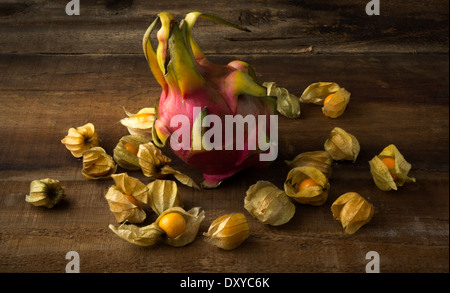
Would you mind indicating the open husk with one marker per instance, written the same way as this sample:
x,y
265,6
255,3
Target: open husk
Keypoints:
x,y
317,92
126,197
318,159
388,179
228,231
313,195
97,164
142,236
152,234
353,211
163,195
125,152
342,145
46,192
193,217
140,123
268,204
336,104
330,95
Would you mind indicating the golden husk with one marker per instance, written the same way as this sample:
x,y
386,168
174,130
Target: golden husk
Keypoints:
x,y
342,145
163,195
317,92
182,178
336,105
155,164
140,123
123,157
268,204
46,192
81,139
97,164
142,236
318,159
193,217
288,105
228,231
382,175
151,159
313,195
120,205
353,211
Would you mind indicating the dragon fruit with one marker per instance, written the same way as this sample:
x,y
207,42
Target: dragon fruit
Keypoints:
x,y
195,88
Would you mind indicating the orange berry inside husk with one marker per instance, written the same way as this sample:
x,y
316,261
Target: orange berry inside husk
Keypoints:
x,y
129,147
328,98
173,224
143,117
131,199
390,164
307,183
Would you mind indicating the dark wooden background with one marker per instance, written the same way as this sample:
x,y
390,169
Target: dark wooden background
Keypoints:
x,y
59,71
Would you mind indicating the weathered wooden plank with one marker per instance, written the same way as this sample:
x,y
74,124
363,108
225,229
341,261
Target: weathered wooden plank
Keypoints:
x,y
401,99
405,231
278,27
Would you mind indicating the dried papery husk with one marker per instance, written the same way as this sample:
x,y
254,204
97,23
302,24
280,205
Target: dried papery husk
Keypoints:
x,y
143,236
336,104
317,92
123,157
151,159
353,211
45,192
313,195
318,159
288,105
126,197
80,139
140,123
342,145
97,164
383,177
181,177
132,186
193,217
163,195
268,204
228,231
155,164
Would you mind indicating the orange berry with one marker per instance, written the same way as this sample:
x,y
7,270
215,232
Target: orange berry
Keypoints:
x,y
328,98
143,117
129,147
306,183
132,199
390,164
173,224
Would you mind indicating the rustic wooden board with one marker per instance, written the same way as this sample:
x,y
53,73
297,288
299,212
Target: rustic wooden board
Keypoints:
x,y
77,70
278,27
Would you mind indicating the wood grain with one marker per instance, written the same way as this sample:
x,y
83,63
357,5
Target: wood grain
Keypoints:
x,y
58,72
278,27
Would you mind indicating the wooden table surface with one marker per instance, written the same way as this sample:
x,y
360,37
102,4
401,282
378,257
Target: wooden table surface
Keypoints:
x,y
59,71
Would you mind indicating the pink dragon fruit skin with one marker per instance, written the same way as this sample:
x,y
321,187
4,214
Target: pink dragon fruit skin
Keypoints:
x,y
190,82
